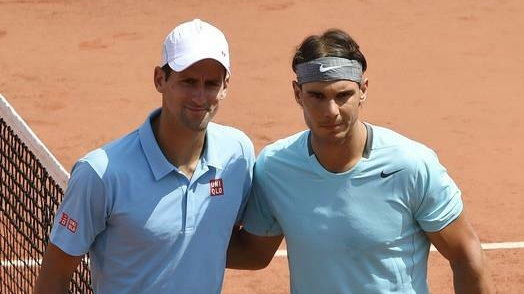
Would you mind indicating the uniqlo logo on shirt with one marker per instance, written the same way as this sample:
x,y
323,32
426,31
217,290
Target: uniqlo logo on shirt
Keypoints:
x,y
63,219
216,187
71,225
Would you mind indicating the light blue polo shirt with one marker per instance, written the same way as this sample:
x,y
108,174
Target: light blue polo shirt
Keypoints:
x,y
360,231
148,228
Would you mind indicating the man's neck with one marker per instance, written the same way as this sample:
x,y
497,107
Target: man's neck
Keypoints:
x,y
342,155
181,146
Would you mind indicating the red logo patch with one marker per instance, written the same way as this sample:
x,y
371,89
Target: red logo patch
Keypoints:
x,y
216,187
63,219
71,225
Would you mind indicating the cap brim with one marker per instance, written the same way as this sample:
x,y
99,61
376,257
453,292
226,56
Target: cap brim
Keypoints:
x,y
182,63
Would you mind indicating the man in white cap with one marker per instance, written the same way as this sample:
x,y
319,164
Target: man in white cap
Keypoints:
x,y
155,208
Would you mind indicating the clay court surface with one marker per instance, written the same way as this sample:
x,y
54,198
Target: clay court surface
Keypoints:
x,y
447,73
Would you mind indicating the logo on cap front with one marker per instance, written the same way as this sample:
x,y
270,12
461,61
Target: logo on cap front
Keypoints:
x,y
216,187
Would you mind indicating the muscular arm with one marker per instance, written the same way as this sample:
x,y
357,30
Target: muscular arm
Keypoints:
x,y
460,245
56,272
251,252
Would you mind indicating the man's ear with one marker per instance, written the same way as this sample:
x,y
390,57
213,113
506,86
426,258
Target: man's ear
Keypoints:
x,y
159,78
297,90
363,91
223,93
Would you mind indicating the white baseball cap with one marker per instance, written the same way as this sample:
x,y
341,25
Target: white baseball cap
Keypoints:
x,y
193,41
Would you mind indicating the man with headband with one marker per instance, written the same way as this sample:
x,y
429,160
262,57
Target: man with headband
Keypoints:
x,y
358,204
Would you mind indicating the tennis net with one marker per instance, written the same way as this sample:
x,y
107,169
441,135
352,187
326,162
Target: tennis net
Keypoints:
x,y
32,184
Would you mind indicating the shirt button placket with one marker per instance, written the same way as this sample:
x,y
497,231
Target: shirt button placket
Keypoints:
x,y
193,198
183,184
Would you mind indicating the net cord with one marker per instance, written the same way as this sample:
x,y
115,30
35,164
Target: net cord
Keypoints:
x,y
20,128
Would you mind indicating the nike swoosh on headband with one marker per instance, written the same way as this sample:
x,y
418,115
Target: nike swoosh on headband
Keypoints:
x,y
323,68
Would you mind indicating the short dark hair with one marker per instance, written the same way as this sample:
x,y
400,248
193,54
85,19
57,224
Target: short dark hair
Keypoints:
x,y
332,43
167,70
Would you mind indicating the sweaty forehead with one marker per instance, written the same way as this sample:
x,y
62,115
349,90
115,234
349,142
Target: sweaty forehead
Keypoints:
x,y
218,76
330,86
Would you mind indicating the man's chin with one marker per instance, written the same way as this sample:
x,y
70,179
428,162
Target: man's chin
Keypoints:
x,y
332,137
197,123
198,127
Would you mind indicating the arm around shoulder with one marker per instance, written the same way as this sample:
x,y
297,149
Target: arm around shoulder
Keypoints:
x,y
56,272
459,244
251,252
